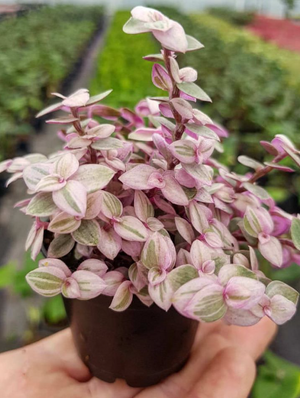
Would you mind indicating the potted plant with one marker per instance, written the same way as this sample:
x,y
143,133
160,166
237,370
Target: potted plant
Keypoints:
x,y
144,232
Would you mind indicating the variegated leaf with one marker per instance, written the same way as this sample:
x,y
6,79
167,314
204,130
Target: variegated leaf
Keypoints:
x,y
88,233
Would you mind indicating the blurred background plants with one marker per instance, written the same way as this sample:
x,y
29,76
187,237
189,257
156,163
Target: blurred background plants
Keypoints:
x,y
37,52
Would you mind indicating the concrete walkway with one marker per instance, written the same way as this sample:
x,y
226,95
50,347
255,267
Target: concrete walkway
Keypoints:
x,y
14,226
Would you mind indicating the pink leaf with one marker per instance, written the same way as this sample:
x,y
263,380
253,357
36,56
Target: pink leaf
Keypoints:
x,y
50,183
113,280
138,176
173,190
184,150
77,99
185,229
122,298
200,254
183,107
63,223
109,243
93,176
53,262
174,39
66,165
98,267
271,250
161,78
90,284
131,228
142,206
244,293
70,289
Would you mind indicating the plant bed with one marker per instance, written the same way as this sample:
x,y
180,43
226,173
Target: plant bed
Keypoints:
x,y
47,59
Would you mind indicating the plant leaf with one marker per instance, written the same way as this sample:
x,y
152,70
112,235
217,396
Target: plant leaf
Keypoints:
x,y
88,233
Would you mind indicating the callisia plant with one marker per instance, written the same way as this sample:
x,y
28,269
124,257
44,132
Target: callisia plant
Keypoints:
x,y
137,204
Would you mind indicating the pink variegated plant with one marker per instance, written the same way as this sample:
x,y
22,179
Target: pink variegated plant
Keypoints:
x,y
136,203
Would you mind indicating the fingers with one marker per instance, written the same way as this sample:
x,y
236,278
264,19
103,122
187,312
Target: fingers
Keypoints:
x,y
230,375
60,351
253,339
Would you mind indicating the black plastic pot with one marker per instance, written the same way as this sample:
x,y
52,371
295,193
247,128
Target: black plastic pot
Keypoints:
x,y
141,345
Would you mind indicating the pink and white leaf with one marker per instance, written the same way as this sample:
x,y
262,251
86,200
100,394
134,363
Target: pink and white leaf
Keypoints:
x,y
70,289
109,243
277,287
184,150
77,99
143,134
41,205
66,165
63,223
183,108
271,249
200,172
243,293
51,183
93,176
37,243
161,78
173,39
185,229
123,297
93,206
111,206
112,280
142,206
54,262
131,228
132,249
158,252
94,265
186,292
33,174
90,284
200,254
173,191
281,309
60,246
47,281
240,317
72,198
199,216
208,304
88,233
138,176
154,224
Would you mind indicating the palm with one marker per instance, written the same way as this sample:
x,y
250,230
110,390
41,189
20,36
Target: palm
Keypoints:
x,y
221,366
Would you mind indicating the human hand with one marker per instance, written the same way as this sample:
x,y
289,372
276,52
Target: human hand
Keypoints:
x,y
221,365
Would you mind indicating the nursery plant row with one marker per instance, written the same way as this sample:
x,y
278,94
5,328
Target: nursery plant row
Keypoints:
x,y
38,53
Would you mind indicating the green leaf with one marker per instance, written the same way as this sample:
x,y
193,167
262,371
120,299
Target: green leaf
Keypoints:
x,y
54,310
193,90
277,379
7,274
295,230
